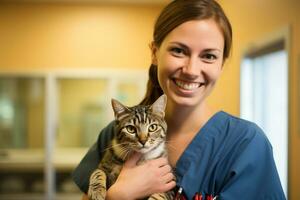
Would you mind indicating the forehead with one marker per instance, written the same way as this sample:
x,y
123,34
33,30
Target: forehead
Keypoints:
x,y
206,33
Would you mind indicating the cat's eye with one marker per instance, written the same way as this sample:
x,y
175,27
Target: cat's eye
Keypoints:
x,y
153,127
130,129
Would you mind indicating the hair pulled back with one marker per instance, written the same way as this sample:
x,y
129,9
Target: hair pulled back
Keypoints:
x,y
173,15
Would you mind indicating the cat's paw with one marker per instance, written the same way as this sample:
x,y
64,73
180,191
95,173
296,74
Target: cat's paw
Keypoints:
x,y
160,196
96,195
97,185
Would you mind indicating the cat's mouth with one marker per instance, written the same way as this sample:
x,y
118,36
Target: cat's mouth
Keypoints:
x,y
147,148
144,149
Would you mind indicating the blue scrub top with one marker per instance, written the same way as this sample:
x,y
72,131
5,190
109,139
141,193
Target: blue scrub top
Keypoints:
x,y
229,158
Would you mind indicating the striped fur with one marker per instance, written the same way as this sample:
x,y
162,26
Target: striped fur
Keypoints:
x,y
138,129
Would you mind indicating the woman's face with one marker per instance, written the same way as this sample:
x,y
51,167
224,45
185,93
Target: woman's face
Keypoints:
x,y
189,61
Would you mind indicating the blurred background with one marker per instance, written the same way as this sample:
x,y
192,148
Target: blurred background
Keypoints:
x,y
61,61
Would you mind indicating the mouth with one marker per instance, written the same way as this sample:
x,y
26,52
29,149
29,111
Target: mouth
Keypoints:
x,y
188,85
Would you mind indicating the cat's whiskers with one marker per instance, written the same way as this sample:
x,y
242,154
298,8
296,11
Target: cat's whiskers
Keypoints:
x,y
116,145
124,153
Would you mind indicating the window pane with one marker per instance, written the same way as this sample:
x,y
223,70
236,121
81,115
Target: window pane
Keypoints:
x,y
22,111
82,111
128,93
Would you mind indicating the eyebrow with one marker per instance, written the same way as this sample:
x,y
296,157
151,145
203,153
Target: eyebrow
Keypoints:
x,y
180,44
186,47
210,50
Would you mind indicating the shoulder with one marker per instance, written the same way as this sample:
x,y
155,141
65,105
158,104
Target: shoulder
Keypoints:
x,y
246,158
240,138
244,130
106,134
238,123
248,139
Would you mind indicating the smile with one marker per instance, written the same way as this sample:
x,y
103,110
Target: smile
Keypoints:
x,y
187,85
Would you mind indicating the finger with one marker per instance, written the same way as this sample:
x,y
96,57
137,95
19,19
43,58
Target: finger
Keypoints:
x,y
166,169
168,186
133,159
168,178
160,162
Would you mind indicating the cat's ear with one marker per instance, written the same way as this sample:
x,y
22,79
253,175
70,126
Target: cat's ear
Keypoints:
x,y
118,108
159,105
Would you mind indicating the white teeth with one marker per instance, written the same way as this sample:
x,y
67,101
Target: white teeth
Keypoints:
x,y
187,86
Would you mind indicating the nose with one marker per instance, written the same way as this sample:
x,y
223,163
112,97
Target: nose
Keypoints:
x,y
191,67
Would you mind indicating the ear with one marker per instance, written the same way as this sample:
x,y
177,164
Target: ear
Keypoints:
x,y
154,49
118,108
159,105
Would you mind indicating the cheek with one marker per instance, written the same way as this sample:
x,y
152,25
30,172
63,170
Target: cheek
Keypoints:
x,y
216,75
214,72
163,75
167,67
154,137
168,63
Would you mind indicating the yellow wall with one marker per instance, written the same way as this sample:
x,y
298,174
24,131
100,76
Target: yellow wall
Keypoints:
x,y
74,35
47,36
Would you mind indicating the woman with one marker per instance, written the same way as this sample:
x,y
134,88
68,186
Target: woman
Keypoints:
x,y
217,155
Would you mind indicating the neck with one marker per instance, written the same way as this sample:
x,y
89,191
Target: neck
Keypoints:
x,y
183,119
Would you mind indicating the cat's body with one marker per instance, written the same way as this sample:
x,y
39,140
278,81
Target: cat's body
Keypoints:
x,y
138,129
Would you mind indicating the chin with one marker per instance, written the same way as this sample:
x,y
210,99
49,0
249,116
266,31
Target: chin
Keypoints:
x,y
186,101
143,150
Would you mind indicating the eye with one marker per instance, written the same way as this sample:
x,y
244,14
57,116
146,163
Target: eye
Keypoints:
x,y
152,127
178,52
208,57
130,129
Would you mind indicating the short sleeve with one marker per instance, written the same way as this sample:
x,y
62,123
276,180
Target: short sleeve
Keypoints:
x,y
92,158
254,175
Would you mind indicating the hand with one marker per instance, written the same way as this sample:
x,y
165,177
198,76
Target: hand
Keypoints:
x,y
139,181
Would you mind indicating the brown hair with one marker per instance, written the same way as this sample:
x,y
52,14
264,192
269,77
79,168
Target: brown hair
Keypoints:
x,y
173,15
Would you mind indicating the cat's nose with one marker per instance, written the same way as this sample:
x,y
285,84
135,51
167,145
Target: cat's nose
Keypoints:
x,y
142,140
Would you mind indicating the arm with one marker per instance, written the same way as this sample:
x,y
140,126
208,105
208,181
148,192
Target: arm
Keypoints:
x,y
110,196
139,181
133,183
254,175
90,161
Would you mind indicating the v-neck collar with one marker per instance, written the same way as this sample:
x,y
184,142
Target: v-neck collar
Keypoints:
x,y
196,144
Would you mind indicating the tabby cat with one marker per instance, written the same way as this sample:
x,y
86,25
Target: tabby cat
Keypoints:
x,y
137,129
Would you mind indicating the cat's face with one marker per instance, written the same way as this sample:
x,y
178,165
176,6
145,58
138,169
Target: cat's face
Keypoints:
x,y
141,128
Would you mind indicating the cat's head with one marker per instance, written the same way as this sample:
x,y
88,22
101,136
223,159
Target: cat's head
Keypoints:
x,y
140,128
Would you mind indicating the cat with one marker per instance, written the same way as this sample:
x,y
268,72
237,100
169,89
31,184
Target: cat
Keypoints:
x,y
137,129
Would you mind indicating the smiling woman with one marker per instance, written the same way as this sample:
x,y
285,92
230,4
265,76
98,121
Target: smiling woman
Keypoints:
x,y
214,155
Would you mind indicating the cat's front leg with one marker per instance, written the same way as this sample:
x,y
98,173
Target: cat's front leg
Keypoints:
x,y
97,185
162,196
